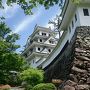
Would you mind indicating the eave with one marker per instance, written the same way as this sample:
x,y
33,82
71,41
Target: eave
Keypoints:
x,y
38,44
36,54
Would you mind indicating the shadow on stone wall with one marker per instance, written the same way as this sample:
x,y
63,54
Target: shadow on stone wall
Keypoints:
x,y
61,66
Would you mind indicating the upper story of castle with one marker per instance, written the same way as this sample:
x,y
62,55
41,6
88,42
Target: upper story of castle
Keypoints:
x,y
42,40
42,35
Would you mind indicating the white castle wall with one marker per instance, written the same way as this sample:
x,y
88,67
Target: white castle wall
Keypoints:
x,y
84,20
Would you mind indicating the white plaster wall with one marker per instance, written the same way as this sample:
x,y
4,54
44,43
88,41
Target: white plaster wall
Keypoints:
x,y
38,50
39,63
42,40
47,41
37,58
81,20
76,24
84,20
45,50
47,34
32,62
40,32
35,64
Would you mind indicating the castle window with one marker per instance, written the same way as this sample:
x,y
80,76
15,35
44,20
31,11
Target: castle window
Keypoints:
x,y
52,42
40,40
85,11
49,50
75,17
72,24
69,29
44,34
38,49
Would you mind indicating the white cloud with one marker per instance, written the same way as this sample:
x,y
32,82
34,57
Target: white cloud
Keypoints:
x,y
24,23
8,11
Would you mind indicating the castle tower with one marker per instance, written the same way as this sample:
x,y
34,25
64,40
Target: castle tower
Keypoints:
x,y
39,45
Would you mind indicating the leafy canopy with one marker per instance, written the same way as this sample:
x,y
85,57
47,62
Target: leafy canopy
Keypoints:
x,y
9,60
28,5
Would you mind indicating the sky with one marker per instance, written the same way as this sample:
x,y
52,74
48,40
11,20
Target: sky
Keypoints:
x,y
24,24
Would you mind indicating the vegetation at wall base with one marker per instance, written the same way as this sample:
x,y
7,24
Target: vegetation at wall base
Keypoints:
x,y
44,86
32,76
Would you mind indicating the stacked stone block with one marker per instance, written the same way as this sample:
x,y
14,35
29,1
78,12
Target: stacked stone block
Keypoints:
x,y
80,74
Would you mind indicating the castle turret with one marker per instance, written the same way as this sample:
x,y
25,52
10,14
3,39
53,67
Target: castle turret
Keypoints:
x,y
39,45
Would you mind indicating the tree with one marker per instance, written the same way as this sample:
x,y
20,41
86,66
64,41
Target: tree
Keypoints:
x,y
28,5
9,59
56,23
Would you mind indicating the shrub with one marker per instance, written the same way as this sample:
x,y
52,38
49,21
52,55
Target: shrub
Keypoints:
x,y
32,76
14,80
43,86
28,87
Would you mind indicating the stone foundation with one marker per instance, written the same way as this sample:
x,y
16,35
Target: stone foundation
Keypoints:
x,y
80,73
76,54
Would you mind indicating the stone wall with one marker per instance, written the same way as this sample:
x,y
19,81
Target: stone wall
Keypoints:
x,y
80,74
73,64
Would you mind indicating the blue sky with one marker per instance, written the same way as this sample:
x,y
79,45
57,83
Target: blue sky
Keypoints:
x,y
24,24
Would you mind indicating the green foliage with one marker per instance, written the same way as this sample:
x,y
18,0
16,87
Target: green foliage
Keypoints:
x,y
28,87
7,40
9,60
28,5
32,76
44,86
76,1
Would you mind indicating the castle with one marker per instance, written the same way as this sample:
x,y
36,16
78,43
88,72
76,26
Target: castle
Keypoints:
x,y
39,45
